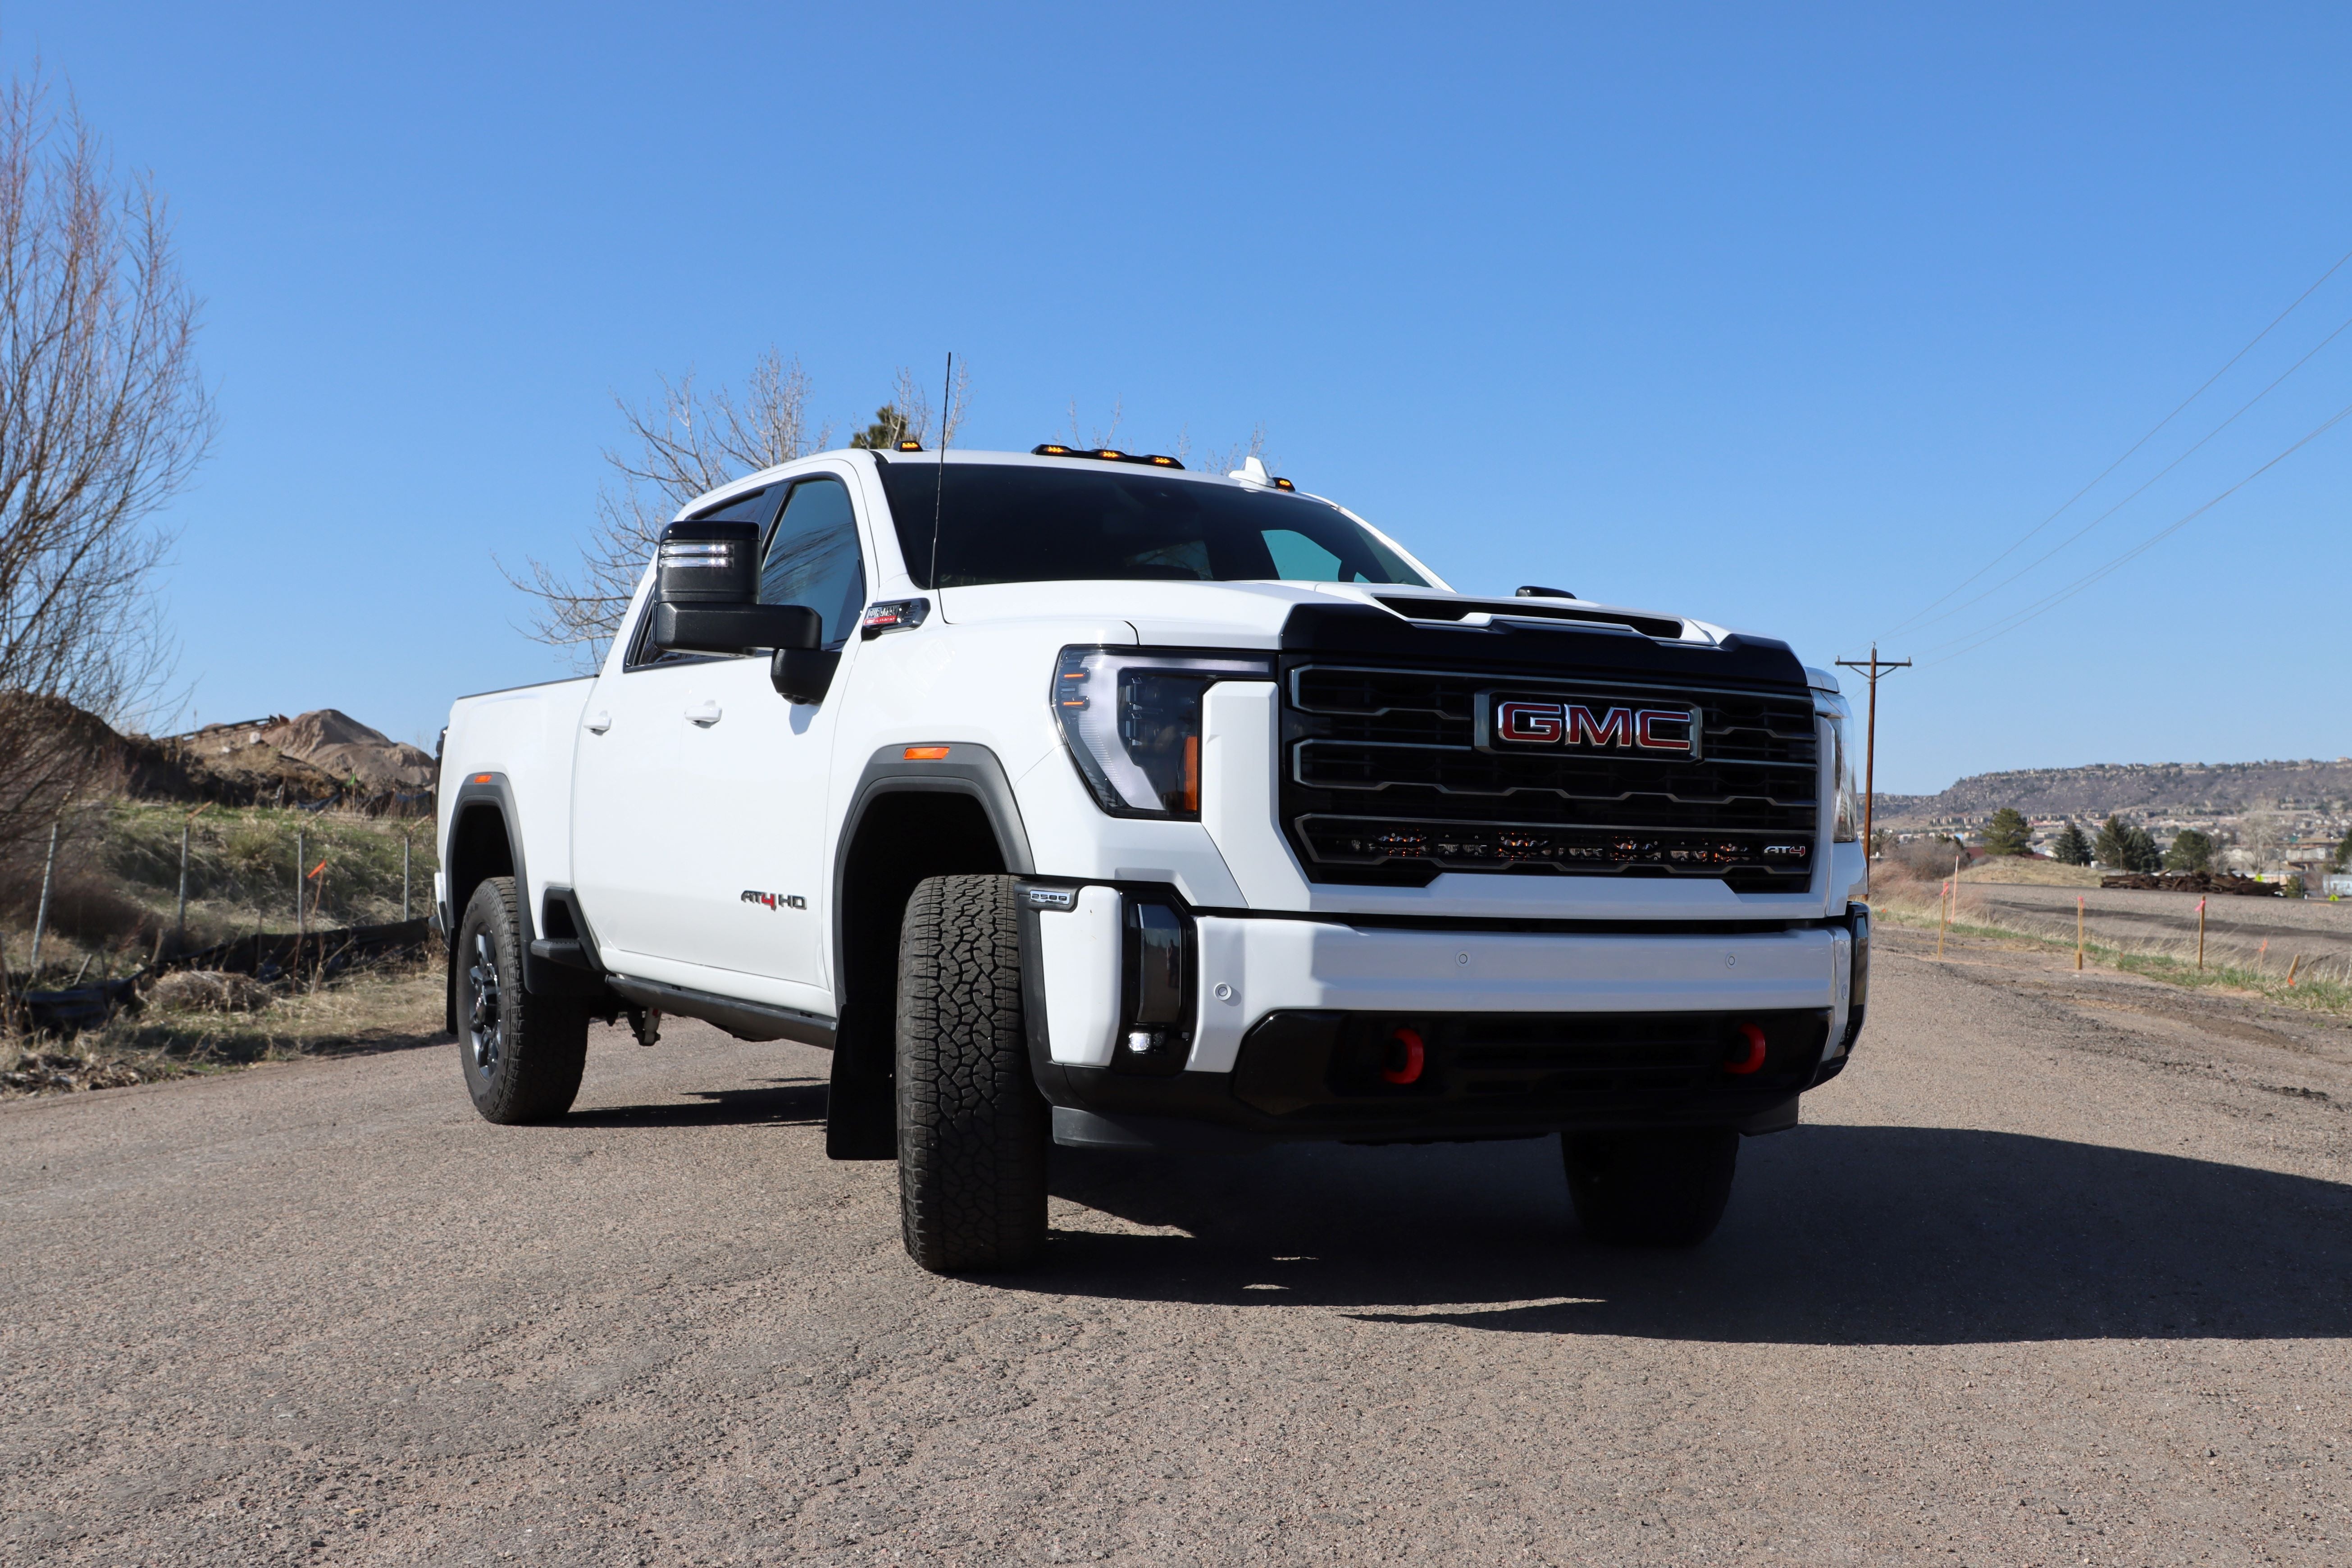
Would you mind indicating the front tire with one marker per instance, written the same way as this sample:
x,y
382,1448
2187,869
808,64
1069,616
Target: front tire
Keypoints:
x,y
973,1128
1663,1188
522,1055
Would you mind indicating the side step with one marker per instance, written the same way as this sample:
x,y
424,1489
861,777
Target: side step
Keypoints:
x,y
744,1020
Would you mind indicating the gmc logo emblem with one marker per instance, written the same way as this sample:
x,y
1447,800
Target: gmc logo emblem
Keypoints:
x,y
1509,722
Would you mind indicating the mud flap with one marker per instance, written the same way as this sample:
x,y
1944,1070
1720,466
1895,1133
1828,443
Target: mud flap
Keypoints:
x,y
861,1115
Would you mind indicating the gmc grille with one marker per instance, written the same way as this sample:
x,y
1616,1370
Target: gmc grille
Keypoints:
x,y
1383,780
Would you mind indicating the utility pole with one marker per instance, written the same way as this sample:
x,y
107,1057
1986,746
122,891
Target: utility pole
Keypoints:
x,y
1873,667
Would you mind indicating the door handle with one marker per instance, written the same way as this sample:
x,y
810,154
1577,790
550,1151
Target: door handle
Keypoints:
x,y
705,713
599,723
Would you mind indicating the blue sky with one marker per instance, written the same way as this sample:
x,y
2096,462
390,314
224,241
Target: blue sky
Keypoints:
x,y
1791,322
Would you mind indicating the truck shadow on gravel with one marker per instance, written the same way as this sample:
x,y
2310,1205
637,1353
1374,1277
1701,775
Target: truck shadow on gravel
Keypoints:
x,y
781,1101
1835,1235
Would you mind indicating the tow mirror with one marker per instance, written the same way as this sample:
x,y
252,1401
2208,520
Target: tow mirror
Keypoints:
x,y
705,588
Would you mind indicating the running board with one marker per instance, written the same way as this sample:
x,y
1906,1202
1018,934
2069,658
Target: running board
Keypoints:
x,y
744,1020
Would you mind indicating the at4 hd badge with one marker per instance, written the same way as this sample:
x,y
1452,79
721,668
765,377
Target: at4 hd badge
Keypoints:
x,y
775,900
1515,721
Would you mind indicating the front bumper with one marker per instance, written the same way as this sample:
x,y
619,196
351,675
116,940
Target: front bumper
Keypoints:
x,y
1523,1031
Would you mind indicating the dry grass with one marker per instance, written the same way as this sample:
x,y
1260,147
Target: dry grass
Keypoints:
x,y
2325,987
372,1009
117,884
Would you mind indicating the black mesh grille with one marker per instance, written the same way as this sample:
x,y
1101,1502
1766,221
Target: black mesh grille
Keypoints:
x,y
1383,780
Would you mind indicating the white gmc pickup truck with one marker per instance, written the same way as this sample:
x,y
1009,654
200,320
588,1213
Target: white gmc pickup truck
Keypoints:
x,y
1078,799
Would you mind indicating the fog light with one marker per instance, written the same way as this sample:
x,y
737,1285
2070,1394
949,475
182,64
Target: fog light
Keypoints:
x,y
1403,1060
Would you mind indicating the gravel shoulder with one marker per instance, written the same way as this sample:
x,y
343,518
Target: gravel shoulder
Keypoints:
x,y
2056,1272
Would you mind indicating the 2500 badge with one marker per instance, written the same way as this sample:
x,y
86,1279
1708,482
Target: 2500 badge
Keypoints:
x,y
1509,722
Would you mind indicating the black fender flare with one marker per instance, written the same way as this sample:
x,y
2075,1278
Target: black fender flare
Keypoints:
x,y
969,769
493,793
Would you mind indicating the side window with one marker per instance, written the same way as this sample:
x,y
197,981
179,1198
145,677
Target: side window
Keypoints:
x,y
813,558
753,505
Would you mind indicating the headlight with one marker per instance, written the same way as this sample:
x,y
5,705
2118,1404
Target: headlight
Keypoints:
x,y
1845,822
1132,720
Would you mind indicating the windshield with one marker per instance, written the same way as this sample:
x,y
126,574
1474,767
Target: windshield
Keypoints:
x,y
1003,522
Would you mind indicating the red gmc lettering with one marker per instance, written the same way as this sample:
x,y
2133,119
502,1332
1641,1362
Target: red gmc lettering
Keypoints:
x,y
1584,729
1534,723
1645,737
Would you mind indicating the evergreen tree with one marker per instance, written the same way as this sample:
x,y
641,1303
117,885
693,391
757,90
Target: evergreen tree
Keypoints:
x,y
2112,848
2190,851
2139,847
2074,847
2008,833
890,426
2344,853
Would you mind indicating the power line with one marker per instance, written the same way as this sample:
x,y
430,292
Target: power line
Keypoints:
x,y
2143,488
2051,601
2134,448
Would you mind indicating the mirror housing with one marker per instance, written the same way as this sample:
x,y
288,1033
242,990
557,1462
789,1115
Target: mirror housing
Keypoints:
x,y
802,675
734,628
705,588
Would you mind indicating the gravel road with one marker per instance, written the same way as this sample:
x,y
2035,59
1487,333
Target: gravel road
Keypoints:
x,y
2057,1273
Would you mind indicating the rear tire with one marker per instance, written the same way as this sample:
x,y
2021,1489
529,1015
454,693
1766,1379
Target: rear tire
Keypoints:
x,y
1662,1188
522,1055
973,1128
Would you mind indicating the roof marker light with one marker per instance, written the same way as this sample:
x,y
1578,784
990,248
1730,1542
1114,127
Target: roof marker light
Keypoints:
x,y
1104,455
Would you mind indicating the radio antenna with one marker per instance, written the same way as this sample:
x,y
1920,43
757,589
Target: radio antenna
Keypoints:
x,y
939,489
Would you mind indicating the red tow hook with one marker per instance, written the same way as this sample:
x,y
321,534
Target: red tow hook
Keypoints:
x,y
1741,1066
1405,1056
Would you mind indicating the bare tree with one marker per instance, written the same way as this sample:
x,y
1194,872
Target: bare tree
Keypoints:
x,y
103,419
908,415
681,444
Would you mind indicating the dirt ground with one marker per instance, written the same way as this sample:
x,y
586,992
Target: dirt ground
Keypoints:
x,y
2235,928
2060,1271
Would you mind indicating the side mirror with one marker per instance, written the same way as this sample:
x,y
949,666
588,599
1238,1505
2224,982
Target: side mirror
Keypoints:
x,y
705,588
802,675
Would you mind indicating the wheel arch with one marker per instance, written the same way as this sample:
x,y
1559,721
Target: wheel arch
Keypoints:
x,y
911,818
908,819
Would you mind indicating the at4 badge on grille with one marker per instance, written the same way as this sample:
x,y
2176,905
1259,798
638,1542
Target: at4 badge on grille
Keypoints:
x,y
1514,722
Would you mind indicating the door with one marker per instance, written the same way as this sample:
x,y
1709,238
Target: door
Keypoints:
x,y
754,768
628,783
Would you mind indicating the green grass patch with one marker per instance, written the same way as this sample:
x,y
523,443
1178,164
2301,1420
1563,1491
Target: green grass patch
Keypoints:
x,y
242,868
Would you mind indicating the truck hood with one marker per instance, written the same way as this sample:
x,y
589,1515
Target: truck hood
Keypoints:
x,y
1250,615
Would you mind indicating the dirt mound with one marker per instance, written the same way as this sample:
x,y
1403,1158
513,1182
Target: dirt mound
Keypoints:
x,y
2194,882
311,757
340,745
251,768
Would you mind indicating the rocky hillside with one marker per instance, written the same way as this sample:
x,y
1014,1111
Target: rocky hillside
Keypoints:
x,y
2166,790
